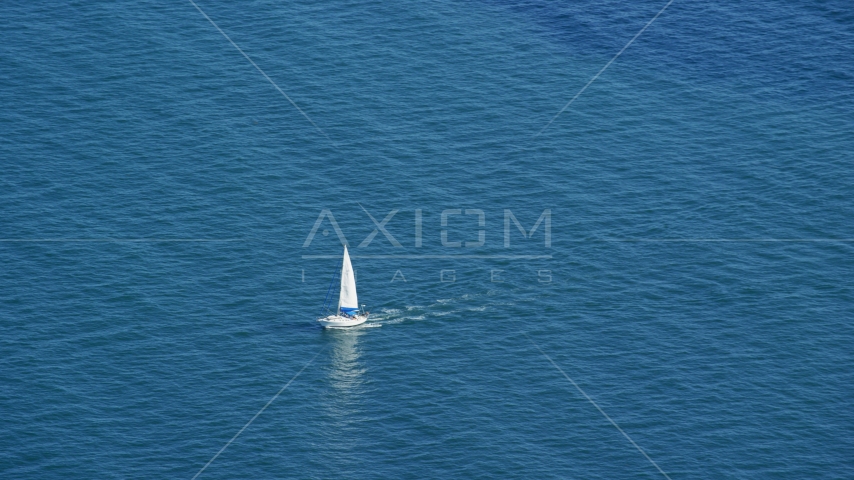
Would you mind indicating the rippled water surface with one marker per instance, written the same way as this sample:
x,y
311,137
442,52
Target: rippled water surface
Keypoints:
x,y
692,272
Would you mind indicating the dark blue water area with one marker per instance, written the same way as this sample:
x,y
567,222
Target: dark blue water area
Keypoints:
x,y
690,270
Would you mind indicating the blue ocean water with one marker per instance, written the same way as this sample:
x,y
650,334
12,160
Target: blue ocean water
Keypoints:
x,y
692,272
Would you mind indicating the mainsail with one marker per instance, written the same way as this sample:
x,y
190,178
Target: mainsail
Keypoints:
x,y
347,301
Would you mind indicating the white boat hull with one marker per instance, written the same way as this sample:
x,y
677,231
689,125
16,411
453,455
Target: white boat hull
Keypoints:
x,y
339,321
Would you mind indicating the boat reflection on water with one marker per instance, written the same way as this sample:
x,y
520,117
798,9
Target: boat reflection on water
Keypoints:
x,y
346,375
342,403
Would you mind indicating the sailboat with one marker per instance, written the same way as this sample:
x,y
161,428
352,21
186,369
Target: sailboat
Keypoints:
x,y
348,313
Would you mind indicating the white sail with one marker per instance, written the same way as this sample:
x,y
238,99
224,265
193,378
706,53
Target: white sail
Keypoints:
x,y
348,302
